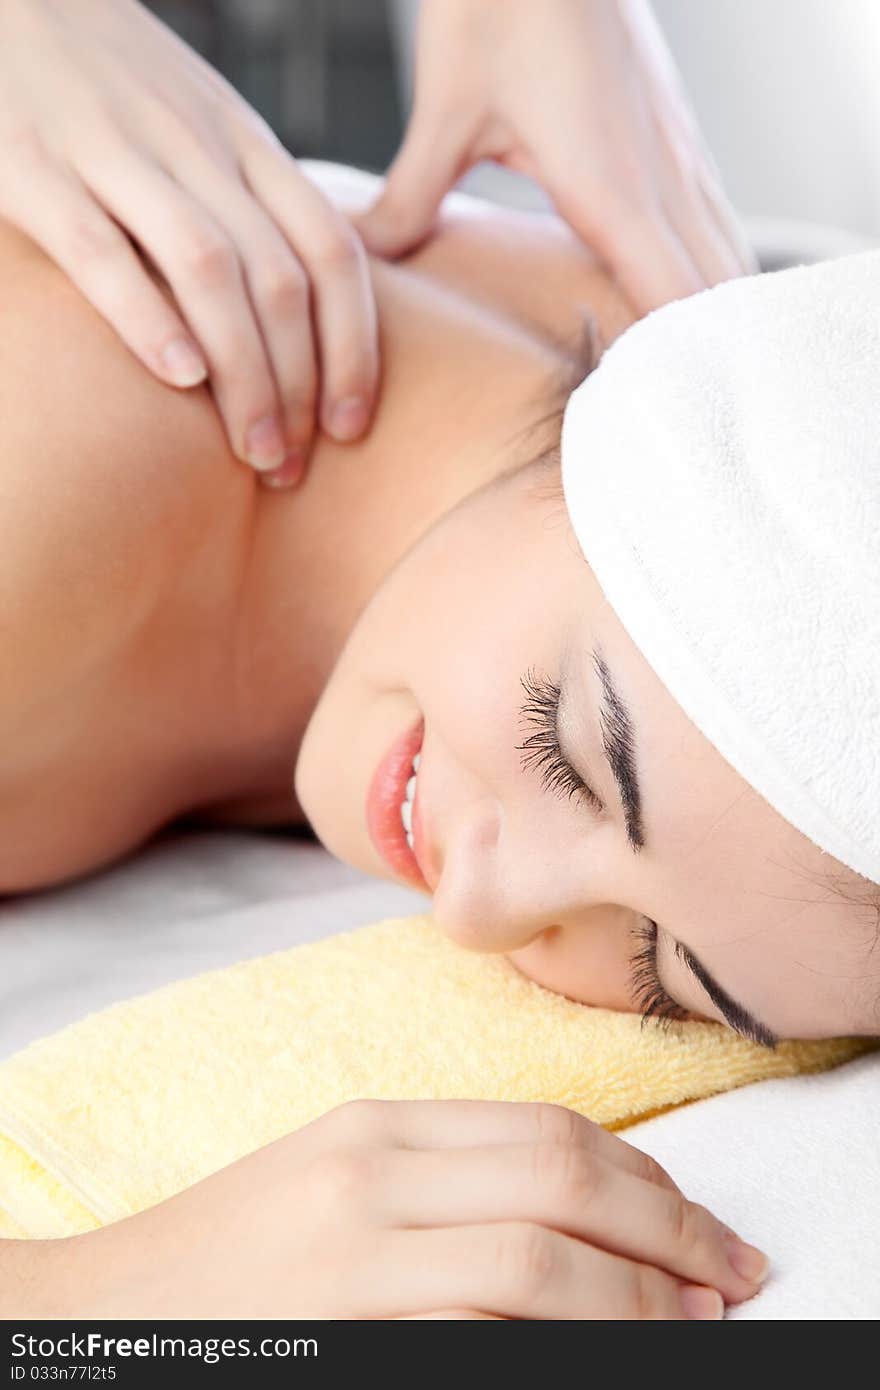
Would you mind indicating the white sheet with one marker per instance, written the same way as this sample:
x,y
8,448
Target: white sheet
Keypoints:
x,y
793,1165
188,903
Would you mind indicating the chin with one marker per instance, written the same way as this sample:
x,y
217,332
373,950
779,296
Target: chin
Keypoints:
x,y
319,807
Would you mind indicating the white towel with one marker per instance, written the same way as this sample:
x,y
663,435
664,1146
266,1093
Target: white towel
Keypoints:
x,y
721,469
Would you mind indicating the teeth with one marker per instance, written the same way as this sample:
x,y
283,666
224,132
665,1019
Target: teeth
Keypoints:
x,y
407,805
417,761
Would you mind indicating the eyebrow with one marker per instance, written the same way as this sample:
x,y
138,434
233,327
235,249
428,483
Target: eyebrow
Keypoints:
x,y
736,1015
618,743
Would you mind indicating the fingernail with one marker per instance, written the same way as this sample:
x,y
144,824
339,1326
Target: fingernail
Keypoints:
x,y
348,419
289,474
264,444
749,1262
184,363
700,1302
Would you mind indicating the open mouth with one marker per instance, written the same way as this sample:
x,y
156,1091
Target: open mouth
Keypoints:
x,y
392,807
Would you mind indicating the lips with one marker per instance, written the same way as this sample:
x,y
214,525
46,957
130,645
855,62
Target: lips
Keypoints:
x,y
424,853
386,792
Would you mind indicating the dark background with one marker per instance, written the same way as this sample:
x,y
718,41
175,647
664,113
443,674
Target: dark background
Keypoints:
x,y
321,72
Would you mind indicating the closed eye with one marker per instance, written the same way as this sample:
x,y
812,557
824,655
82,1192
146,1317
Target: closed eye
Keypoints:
x,y
648,992
541,749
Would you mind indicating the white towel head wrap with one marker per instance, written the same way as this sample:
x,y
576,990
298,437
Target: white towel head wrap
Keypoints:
x,y
721,469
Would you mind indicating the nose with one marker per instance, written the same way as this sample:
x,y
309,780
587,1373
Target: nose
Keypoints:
x,y
476,927
498,896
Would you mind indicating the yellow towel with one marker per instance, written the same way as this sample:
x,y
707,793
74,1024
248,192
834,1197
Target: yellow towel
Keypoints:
x,y
134,1103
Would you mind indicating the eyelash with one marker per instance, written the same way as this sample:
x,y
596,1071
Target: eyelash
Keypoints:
x,y
541,750
647,991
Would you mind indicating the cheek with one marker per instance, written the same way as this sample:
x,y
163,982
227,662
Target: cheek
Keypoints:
x,y
589,963
447,636
489,598
488,604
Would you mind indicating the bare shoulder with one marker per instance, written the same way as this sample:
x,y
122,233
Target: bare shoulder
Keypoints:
x,y
531,266
75,398
106,475
527,266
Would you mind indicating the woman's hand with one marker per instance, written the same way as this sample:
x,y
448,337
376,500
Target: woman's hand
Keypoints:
x,y
584,97
420,1209
110,125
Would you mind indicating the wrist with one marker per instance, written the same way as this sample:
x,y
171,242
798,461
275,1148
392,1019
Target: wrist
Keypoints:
x,y
35,1276
64,1277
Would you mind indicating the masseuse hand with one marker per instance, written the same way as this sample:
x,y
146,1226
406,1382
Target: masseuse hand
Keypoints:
x,y
583,96
110,125
400,1209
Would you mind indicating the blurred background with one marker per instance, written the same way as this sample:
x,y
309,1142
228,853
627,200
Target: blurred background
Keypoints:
x,y
787,91
322,72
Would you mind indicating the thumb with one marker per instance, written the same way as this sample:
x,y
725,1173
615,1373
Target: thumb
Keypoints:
x,y
430,160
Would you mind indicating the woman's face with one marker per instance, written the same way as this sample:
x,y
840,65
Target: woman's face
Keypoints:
x,y
490,615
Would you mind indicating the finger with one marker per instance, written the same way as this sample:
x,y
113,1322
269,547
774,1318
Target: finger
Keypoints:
x,y
62,217
689,216
466,1124
571,1190
633,238
517,1270
203,268
687,210
703,171
710,247
336,266
279,291
731,229
431,159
